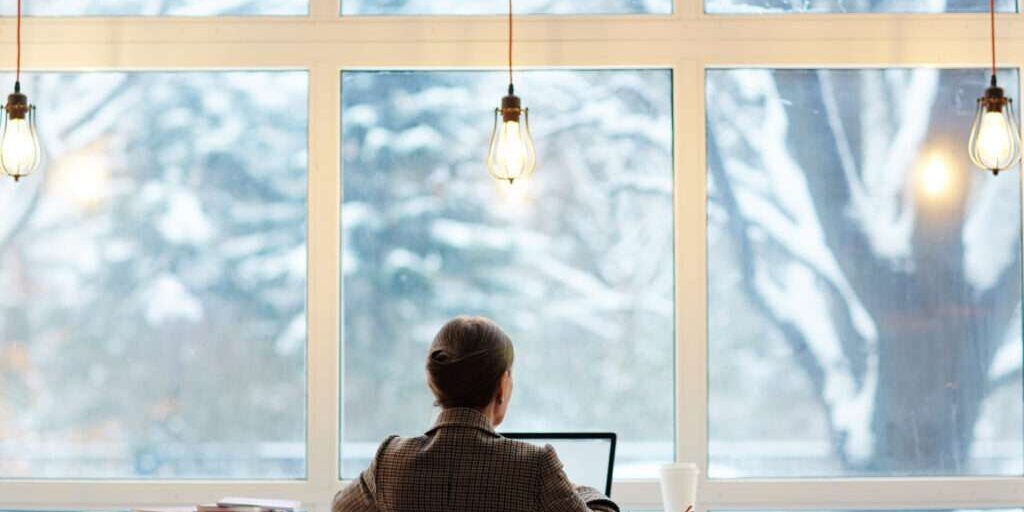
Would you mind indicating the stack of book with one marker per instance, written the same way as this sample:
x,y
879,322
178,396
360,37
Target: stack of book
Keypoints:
x,y
233,505
250,505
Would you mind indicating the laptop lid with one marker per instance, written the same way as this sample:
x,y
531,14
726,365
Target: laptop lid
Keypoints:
x,y
589,457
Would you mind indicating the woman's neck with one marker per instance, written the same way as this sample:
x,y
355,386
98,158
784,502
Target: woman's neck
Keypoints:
x,y
491,413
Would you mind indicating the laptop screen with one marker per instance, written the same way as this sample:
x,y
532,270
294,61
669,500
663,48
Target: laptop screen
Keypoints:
x,y
588,458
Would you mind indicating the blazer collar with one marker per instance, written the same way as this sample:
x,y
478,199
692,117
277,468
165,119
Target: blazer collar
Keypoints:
x,y
463,417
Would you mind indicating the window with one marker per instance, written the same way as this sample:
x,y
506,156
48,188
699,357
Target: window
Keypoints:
x,y
855,6
578,268
459,7
159,8
856,275
243,201
158,261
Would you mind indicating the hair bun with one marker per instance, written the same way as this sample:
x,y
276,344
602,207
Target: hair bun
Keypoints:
x,y
466,362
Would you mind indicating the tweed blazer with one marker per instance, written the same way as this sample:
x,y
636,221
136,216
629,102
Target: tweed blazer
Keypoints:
x,y
463,465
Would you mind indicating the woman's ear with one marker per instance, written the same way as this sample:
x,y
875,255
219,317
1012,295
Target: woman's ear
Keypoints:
x,y
500,405
505,388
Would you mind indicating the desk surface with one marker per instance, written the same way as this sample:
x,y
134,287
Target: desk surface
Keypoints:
x,y
129,510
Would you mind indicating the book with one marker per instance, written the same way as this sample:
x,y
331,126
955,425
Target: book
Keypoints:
x,y
267,505
232,504
217,507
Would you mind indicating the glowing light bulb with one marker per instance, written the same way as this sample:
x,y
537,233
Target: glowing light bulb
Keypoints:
x,y
511,156
19,142
511,153
995,143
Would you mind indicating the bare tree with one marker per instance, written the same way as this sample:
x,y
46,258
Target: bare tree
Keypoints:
x,y
894,303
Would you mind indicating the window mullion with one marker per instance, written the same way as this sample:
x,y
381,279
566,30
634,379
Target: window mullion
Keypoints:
x,y
690,275
324,10
323,307
689,9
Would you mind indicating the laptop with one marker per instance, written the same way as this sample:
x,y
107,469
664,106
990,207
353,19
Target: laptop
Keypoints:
x,y
589,458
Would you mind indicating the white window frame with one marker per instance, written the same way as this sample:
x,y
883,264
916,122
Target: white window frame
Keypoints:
x,y
688,42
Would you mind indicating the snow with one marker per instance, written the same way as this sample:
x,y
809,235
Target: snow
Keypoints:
x,y
991,234
847,6
881,204
1007,361
172,7
465,235
293,338
464,7
168,300
184,222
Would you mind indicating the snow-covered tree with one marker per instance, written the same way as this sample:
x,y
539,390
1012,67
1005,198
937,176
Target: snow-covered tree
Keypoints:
x,y
155,277
579,270
856,230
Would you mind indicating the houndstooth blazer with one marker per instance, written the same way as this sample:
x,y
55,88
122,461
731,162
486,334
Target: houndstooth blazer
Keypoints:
x,y
463,465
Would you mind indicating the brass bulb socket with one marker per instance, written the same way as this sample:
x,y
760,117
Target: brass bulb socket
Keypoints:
x,y
994,99
17,106
511,108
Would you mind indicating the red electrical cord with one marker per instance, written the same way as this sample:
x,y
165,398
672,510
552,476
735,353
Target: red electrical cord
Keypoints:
x,y
991,17
509,42
17,76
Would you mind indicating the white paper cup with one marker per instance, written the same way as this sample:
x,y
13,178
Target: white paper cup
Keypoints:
x,y
679,487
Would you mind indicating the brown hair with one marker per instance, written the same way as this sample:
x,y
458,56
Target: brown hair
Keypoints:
x,y
466,361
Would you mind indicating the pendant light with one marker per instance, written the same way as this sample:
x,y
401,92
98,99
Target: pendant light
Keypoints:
x,y
995,143
510,155
19,141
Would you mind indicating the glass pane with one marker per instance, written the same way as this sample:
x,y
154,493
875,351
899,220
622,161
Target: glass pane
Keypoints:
x,y
853,6
160,8
152,323
863,276
576,264
459,7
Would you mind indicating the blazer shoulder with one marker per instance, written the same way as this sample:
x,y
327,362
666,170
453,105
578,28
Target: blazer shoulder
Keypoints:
x,y
388,444
397,447
541,456
548,459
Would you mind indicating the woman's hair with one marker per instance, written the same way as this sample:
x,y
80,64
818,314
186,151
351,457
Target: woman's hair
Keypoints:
x,y
466,361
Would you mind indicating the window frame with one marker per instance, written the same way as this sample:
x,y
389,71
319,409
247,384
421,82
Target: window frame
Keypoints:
x,y
688,42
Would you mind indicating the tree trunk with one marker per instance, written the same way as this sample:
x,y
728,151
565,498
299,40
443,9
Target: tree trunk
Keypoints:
x,y
931,387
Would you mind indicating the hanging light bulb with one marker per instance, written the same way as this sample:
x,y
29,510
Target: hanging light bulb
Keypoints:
x,y
19,141
510,155
995,139
995,143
